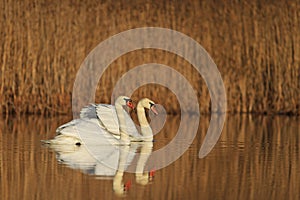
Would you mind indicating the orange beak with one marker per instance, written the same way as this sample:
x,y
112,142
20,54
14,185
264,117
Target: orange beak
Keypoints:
x,y
154,110
127,185
130,104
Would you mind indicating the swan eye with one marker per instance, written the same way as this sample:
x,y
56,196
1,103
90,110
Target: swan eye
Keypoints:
x,y
151,104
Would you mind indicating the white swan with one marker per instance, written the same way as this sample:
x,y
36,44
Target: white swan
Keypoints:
x,y
107,118
92,130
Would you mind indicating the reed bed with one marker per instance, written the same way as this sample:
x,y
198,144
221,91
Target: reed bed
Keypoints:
x,y
254,44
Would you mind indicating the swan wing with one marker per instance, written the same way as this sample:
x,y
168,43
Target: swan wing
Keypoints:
x,y
130,126
108,116
91,133
67,129
89,112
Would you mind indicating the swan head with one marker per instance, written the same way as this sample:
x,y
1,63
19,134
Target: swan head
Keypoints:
x,y
125,101
149,104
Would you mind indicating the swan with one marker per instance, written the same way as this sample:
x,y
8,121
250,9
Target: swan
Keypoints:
x,y
106,114
91,129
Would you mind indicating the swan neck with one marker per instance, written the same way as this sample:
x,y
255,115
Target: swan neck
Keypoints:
x,y
122,122
141,115
121,117
146,130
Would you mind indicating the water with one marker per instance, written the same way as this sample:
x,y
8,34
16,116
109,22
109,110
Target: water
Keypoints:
x,y
256,157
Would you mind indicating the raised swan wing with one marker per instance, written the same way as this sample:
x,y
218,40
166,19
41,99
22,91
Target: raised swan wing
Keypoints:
x,y
108,119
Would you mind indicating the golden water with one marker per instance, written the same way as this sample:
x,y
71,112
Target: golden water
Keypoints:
x,y
256,157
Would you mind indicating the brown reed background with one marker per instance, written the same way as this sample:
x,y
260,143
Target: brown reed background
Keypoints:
x,y
255,45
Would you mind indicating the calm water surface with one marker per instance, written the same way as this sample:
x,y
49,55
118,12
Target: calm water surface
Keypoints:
x,y
256,157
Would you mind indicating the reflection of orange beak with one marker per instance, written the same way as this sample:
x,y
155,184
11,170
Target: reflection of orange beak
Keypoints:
x,y
130,105
151,174
154,110
127,185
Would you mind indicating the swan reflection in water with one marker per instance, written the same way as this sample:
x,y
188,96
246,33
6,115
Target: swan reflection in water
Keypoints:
x,y
109,161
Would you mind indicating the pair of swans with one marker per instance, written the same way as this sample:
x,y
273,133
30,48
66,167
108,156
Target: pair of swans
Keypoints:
x,y
107,124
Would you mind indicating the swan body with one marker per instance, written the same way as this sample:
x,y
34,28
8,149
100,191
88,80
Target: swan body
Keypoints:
x,y
108,119
89,130
107,124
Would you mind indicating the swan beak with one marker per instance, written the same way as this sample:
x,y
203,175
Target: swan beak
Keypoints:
x,y
154,110
130,105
